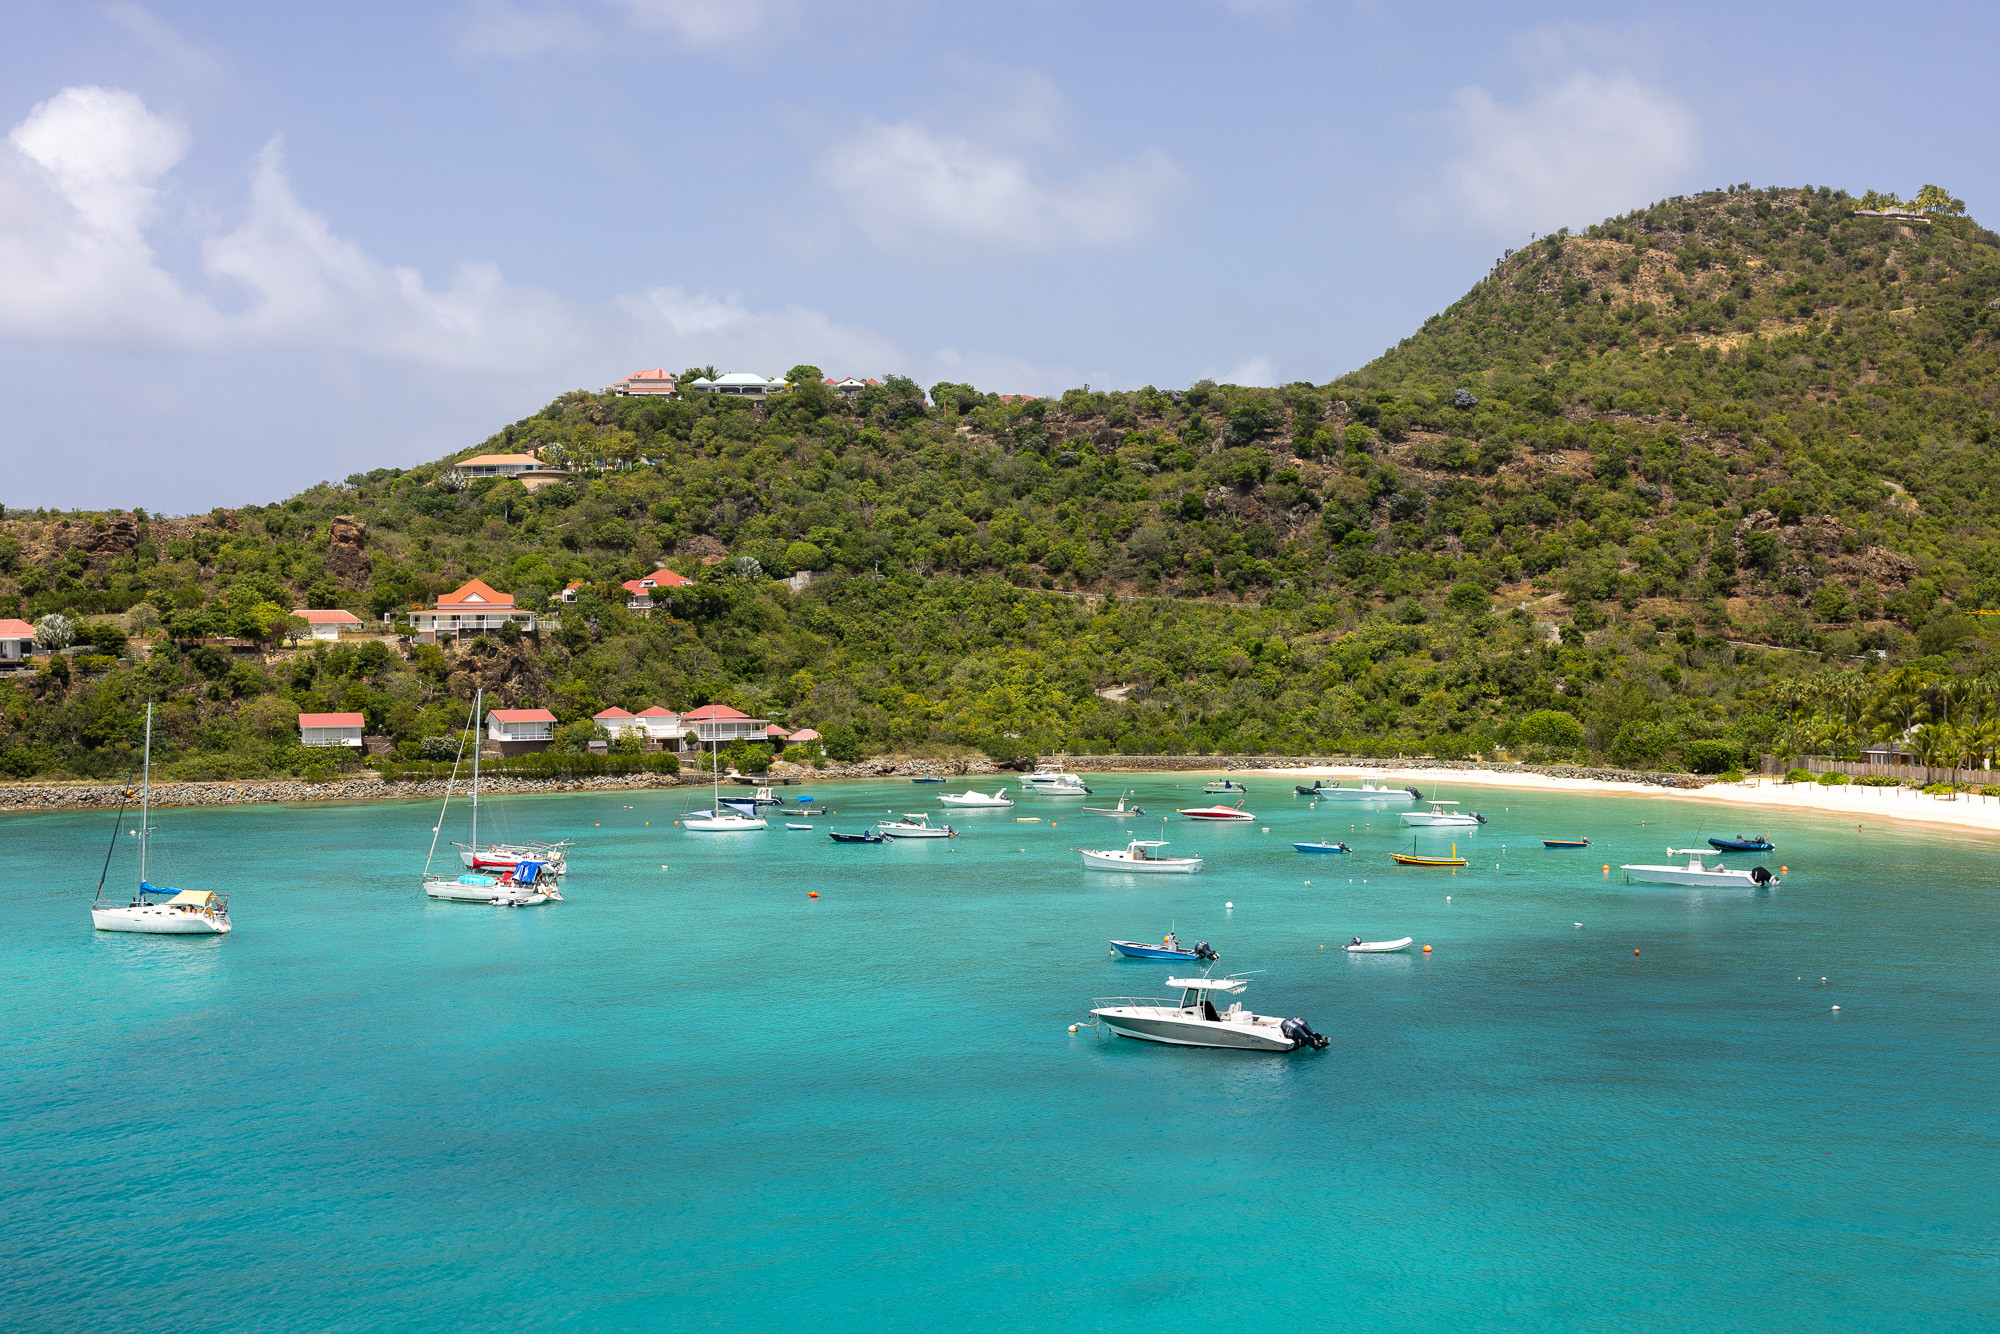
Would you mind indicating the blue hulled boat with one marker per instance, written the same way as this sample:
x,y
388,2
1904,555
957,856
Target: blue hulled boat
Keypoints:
x,y
1759,843
1170,949
1322,846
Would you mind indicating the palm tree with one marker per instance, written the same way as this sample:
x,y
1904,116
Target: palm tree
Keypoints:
x,y
1933,744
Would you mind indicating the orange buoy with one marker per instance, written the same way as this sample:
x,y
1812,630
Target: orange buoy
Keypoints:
x,y
1607,868
1635,954
1427,949
812,893
1784,870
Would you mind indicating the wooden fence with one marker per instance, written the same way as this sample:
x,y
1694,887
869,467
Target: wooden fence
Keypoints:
x,y
1908,773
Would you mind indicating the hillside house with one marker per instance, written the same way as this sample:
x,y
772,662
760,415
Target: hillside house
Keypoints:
x,y
519,731
640,591
850,388
655,383
496,465
471,609
326,623
741,384
17,640
802,736
331,729
620,723
718,724
663,726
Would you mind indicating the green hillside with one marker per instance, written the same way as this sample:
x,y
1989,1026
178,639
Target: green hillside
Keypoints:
x,y
1559,520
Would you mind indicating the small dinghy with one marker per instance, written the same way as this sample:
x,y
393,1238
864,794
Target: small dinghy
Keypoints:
x,y
1360,946
1411,858
1168,949
1322,846
870,837
791,825
1743,843
1223,785
1121,809
926,780
1565,842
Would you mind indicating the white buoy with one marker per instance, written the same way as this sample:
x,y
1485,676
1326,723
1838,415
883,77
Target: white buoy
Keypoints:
x,y
1836,1007
1229,905
1577,924
1447,898
1072,1028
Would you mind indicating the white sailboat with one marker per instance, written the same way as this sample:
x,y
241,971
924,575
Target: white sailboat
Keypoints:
x,y
999,797
190,912
523,881
727,817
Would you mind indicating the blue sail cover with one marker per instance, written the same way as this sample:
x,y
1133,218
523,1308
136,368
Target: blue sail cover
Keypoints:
x,y
145,888
525,873
746,809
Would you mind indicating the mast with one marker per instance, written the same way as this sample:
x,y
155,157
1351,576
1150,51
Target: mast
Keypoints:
x,y
146,796
478,696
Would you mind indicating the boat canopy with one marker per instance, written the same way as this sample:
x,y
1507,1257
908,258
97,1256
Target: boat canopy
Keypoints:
x,y
1229,984
192,898
526,873
740,807
145,888
1149,843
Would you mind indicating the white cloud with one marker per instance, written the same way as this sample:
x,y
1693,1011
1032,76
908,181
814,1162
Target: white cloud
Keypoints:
x,y
711,23
513,32
196,61
1575,151
910,189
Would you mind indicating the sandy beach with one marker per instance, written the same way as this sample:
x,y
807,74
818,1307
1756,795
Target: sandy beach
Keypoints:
x,y
1862,803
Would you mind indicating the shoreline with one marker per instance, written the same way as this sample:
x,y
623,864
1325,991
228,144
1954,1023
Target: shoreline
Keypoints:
x,y
1904,805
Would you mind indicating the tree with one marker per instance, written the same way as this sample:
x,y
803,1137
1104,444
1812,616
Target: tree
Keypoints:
x,y
142,618
805,556
840,743
803,374
296,628
1551,728
54,631
1936,199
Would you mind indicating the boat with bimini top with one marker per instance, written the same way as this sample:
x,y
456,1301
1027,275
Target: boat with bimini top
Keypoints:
x,y
1695,872
154,911
1141,854
1195,1022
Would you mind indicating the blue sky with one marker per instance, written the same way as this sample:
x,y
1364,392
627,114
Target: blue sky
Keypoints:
x,y
244,247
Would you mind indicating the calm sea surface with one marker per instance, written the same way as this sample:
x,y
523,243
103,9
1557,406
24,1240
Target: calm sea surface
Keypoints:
x,y
691,1097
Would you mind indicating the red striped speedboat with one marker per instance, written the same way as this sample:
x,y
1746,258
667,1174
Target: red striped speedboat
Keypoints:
x,y
1221,813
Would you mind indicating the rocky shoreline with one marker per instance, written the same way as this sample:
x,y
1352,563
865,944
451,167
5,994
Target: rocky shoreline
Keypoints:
x,y
371,787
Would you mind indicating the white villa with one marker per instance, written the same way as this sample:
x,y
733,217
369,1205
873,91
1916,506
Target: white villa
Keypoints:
x,y
641,590
496,465
519,730
330,729
655,383
720,724
326,624
17,640
741,383
850,388
620,723
472,609
663,726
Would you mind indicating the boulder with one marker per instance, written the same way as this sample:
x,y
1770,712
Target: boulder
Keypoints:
x,y
345,559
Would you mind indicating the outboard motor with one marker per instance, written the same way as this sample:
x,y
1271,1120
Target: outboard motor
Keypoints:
x,y
1414,793
1760,876
1301,1032
1204,953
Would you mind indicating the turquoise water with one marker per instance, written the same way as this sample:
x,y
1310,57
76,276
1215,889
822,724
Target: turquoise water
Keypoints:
x,y
695,1098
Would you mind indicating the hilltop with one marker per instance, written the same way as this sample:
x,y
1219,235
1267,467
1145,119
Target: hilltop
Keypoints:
x,y
1559,518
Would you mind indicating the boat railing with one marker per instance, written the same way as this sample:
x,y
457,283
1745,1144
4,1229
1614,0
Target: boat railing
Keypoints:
x,y
1160,1002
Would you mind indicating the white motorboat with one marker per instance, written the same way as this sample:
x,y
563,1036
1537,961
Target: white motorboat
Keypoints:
x,y
1121,809
1219,814
793,824
189,912
916,824
1438,815
1370,789
1139,855
1696,873
1052,780
736,815
998,798
1360,946
1195,1022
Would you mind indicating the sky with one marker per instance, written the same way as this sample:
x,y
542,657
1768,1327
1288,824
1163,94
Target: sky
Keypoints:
x,y
247,247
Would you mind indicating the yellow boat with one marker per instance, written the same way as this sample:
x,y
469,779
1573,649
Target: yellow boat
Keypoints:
x,y
1411,858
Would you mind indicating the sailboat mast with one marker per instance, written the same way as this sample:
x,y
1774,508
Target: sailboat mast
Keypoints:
x,y
478,697
146,795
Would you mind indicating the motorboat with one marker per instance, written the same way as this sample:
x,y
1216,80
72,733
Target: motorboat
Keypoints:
x,y
155,911
1052,780
792,824
1222,814
1438,815
763,797
926,778
868,837
1195,1022
1214,786
1360,946
1120,809
1414,858
998,797
917,824
1370,789
1139,855
1170,948
736,815
1695,873
1565,842
1744,843
1322,846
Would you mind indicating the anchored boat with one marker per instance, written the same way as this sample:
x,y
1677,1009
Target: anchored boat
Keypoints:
x,y
1744,843
1322,846
1413,858
1120,809
1370,788
1170,948
1695,873
1438,815
978,799
917,824
1224,814
189,912
1195,1022
1360,946
1139,855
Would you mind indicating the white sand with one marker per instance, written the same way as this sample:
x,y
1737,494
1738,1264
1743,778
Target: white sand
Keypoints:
x,y
1863,803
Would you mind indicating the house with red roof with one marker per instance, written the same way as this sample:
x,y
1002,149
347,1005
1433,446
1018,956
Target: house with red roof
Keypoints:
x,y
620,723
663,726
850,388
655,383
802,736
639,592
17,640
718,724
326,624
471,609
331,729
520,730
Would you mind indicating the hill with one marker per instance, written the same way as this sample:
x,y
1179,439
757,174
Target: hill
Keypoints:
x,y
1618,501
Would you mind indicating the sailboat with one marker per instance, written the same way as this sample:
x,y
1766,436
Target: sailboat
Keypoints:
x,y
519,883
189,912
727,817
497,858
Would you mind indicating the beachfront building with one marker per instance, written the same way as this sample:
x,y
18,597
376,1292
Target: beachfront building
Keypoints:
x,y
663,726
620,723
738,384
519,731
471,609
655,383
639,592
326,623
331,729
17,640
718,724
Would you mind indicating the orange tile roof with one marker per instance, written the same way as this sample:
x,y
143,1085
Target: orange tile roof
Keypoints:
x,y
614,712
715,713
657,712
499,461
13,629
334,616
332,720
524,715
475,593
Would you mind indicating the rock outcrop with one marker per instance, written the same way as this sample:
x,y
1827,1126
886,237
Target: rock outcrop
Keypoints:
x,y
345,559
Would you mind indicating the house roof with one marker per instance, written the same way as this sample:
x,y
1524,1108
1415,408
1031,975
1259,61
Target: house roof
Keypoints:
x,y
664,579
747,378
614,713
777,731
716,713
657,373
657,712
475,593
331,720
499,461
13,629
804,734
523,715
334,616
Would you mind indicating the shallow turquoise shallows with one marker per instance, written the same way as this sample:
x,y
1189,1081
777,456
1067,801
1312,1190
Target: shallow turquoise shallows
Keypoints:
x,y
692,1097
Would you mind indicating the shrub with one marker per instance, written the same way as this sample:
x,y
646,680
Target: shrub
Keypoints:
x,y
1799,776
1729,776
1877,780
840,743
1551,727
1990,790
1833,780
1711,757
